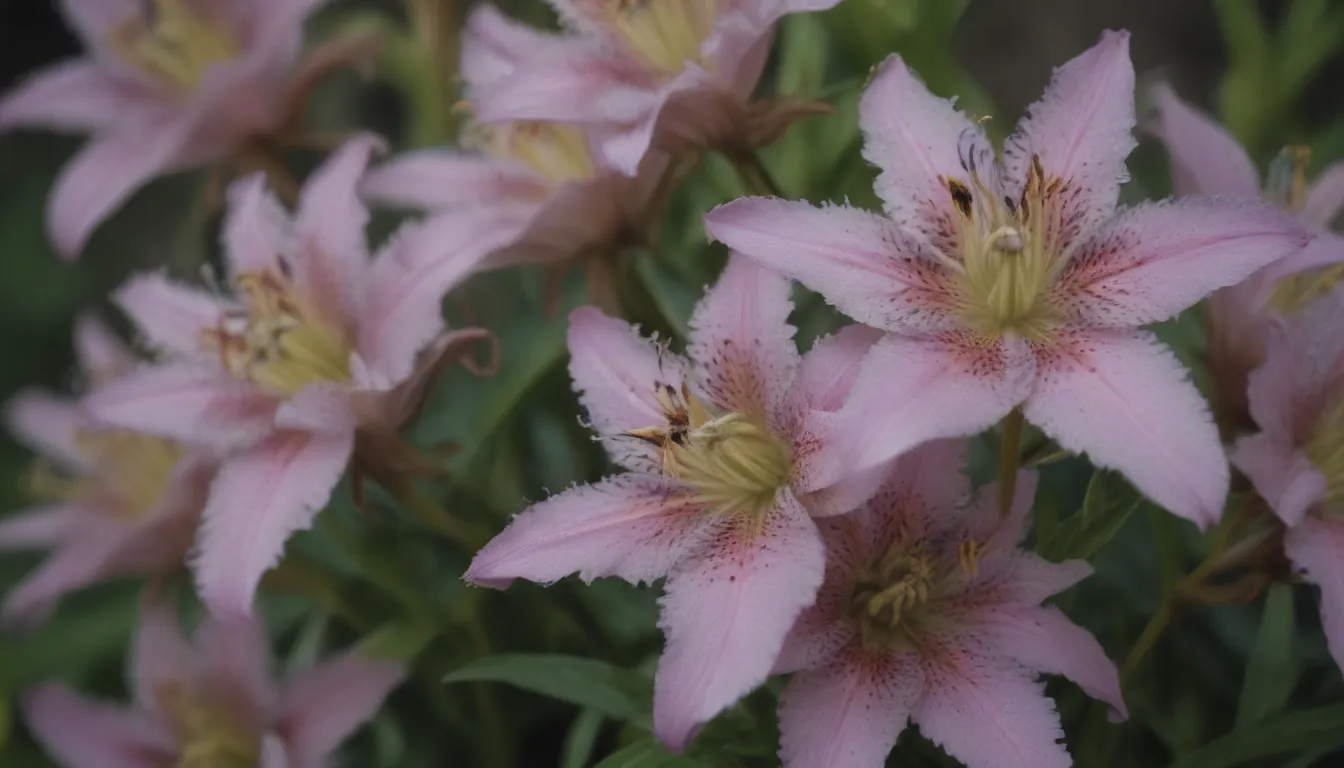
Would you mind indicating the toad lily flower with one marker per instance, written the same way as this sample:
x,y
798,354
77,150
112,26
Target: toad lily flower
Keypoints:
x,y
115,502
930,613
568,206
1207,160
212,703
166,85
663,74
1296,461
322,353
1018,284
724,472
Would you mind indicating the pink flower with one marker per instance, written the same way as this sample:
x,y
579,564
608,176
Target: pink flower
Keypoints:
x,y
322,351
1207,160
725,467
930,612
166,85
114,502
1019,284
1296,461
668,74
568,206
211,703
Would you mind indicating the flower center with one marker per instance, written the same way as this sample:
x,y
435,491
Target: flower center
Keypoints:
x,y
280,342
172,43
664,33
209,737
1006,267
1326,451
734,463
131,473
558,153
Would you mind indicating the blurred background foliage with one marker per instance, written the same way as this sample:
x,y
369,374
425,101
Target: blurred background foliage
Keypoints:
x,y
1231,685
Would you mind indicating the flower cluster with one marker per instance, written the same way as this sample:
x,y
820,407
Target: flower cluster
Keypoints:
x,y
809,514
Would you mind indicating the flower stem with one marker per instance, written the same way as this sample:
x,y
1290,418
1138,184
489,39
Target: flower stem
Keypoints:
x,y
1010,459
497,746
436,517
755,176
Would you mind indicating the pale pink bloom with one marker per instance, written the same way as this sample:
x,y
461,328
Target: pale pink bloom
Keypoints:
x,y
1207,160
665,74
1296,461
320,346
568,206
113,502
931,613
211,702
725,467
165,85
1019,284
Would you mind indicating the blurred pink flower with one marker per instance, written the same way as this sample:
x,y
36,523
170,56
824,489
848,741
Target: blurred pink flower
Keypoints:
x,y
931,613
569,208
1207,160
322,351
666,74
115,502
165,85
212,703
727,459
1296,461
1019,284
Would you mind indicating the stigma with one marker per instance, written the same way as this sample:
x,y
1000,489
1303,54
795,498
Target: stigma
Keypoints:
x,y
172,42
279,342
665,34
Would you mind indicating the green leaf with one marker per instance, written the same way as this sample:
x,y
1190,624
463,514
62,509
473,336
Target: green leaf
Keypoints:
x,y
581,738
615,692
1271,670
1304,730
646,754
1106,506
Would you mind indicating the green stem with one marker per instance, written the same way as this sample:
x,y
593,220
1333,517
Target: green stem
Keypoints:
x,y
1010,459
434,24
755,176
435,517
497,747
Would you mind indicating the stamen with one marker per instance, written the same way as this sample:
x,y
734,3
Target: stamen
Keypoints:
x,y
209,736
558,153
666,34
130,473
167,40
888,601
1286,182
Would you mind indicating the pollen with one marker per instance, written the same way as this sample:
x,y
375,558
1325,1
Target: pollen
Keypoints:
x,y
129,478
556,152
173,43
1005,268
666,34
280,342
209,737
733,463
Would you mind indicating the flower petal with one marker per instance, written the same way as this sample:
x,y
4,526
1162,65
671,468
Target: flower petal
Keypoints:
x,y
725,615
330,251
686,113
75,95
916,140
987,714
321,706
94,19
741,342
631,526
1302,362
256,230
80,732
1152,261
235,667
40,527
573,81
196,403
77,563
439,179
617,374
47,425
910,391
1045,640
1281,474
1029,579
1325,198
160,655
493,44
829,369
1205,158
859,261
258,500
1317,547
1081,129
169,315
848,715
104,174
100,352
403,307
1124,399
